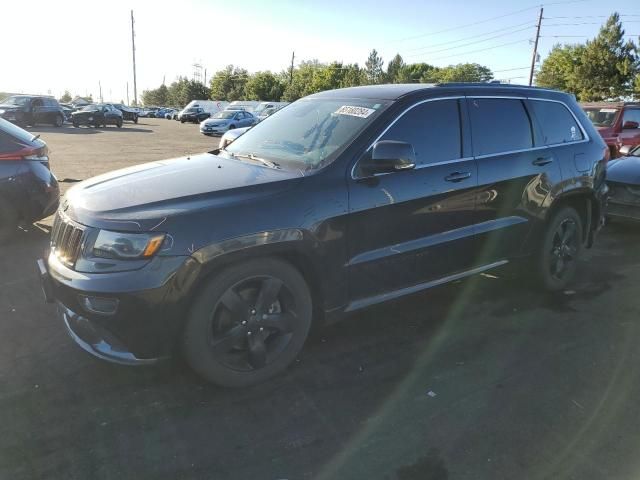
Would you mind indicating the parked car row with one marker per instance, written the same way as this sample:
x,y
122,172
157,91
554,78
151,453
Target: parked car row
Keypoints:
x,y
617,122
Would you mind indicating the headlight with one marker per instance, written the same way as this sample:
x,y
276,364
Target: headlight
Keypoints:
x,y
127,246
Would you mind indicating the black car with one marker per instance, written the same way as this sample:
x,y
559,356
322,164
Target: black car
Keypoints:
x,y
623,179
28,189
193,114
97,114
32,110
343,200
128,114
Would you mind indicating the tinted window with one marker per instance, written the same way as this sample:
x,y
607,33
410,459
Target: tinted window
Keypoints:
x,y
631,115
499,125
557,123
8,129
433,128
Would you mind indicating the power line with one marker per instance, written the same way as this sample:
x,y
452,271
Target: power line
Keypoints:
x,y
481,50
588,16
584,36
473,43
510,69
585,23
467,25
469,38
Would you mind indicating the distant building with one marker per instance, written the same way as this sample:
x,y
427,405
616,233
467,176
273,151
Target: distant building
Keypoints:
x,y
80,102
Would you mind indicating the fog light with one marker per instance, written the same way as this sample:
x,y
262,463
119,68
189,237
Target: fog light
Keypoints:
x,y
99,305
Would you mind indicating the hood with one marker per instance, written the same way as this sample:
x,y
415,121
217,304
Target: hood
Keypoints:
x,y
624,170
142,193
81,113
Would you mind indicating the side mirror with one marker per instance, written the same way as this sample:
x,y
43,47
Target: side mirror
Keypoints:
x,y
391,156
630,125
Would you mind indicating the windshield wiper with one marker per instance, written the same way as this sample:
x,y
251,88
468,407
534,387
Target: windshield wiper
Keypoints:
x,y
255,158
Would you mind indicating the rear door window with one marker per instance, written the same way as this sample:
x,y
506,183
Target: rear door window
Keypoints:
x,y
631,115
557,123
433,128
499,125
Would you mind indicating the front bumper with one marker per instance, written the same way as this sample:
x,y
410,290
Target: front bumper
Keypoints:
x,y
151,306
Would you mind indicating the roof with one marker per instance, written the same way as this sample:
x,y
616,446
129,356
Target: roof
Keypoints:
x,y
395,91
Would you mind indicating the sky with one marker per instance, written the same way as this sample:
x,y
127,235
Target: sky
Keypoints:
x,y
50,47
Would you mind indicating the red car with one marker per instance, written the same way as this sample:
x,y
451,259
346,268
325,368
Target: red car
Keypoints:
x,y
617,122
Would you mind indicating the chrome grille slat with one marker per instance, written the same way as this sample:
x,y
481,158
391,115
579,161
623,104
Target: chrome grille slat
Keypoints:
x,y
66,240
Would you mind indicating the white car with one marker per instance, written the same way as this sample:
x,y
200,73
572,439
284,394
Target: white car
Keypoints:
x,y
227,120
230,136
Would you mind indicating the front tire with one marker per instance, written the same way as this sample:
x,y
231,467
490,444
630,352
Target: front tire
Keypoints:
x,y
248,323
119,124
59,120
562,242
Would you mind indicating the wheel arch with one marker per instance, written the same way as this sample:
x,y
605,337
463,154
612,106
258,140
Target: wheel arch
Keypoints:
x,y
291,246
587,206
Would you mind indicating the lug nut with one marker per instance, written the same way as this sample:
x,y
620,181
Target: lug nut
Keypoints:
x,y
253,312
244,322
264,317
261,329
248,333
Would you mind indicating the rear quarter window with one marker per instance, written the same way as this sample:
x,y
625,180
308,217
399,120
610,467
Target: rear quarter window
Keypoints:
x,y
499,125
557,123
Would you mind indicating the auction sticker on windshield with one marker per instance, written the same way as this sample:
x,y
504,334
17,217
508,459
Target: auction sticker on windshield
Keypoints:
x,y
361,112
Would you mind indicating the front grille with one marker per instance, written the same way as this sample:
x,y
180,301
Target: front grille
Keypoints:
x,y
66,240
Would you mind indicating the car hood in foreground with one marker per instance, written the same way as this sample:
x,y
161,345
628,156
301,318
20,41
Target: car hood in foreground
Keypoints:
x,y
624,170
137,195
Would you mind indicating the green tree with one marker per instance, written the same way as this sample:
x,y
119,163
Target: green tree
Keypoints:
x,y
302,83
66,97
157,96
373,68
558,70
464,72
264,86
415,72
604,68
327,77
353,76
608,64
229,84
394,67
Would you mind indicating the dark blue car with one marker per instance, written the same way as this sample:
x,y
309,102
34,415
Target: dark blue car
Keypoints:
x,y
28,189
340,201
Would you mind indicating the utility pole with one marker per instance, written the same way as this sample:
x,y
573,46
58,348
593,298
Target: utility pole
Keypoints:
x,y
133,49
293,56
535,48
205,77
128,94
100,87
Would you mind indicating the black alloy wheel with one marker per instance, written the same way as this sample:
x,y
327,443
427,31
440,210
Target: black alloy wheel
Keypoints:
x,y
249,323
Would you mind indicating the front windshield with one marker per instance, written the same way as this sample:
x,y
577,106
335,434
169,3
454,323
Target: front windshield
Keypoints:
x,y
16,101
601,117
190,110
224,115
309,133
91,108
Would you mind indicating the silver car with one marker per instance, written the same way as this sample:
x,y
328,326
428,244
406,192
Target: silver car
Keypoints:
x,y
230,136
227,120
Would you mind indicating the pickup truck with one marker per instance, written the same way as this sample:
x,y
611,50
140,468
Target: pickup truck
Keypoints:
x,y
617,122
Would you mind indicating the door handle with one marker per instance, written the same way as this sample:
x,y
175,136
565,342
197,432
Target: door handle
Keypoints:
x,y
541,161
457,176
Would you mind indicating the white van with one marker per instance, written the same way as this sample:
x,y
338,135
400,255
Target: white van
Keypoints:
x,y
209,106
265,109
248,105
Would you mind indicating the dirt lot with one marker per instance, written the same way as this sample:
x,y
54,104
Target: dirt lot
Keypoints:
x,y
481,379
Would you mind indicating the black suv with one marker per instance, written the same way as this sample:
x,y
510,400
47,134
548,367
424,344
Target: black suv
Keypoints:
x,y
342,200
31,110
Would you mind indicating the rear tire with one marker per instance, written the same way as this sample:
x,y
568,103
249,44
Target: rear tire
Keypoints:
x,y
248,323
8,222
556,261
59,120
